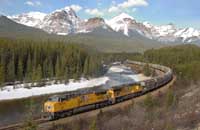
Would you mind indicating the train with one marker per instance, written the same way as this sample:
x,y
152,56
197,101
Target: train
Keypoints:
x,y
59,106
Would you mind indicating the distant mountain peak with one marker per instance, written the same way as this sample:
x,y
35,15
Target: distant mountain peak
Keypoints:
x,y
29,19
61,22
121,18
121,23
64,21
124,15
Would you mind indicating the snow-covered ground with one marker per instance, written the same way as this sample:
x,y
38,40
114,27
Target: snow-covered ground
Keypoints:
x,y
120,74
9,92
116,75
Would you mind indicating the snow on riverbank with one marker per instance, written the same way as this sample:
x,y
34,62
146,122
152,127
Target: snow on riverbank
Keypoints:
x,y
10,93
119,69
116,75
139,77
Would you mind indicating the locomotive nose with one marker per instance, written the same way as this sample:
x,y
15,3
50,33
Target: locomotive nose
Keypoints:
x,y
48,107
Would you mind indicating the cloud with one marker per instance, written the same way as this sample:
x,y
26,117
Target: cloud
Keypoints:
x,y
133,3
29,3
33,3
113,9
128,6
125,6
76,8
95,12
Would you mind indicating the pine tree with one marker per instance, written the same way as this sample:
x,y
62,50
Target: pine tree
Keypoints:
x,y
37,74
66,77
147,70
29,69
20,70
50,70
86,67
2,74
58,71
11,70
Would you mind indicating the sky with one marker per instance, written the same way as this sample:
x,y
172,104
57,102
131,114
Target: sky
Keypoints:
x,y
183,13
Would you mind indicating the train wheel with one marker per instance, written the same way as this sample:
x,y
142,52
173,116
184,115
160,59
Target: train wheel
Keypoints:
x,y
69,113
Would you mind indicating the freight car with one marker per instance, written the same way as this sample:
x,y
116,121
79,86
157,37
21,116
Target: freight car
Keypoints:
x,y
68,104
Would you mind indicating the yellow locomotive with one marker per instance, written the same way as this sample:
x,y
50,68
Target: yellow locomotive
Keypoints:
x,y
59,106
68,104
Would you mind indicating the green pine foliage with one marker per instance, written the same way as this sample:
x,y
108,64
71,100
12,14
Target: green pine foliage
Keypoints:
x,y
183,59
2,77
147,70
31,61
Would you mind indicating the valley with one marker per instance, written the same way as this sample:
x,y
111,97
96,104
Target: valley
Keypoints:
x,y
99,65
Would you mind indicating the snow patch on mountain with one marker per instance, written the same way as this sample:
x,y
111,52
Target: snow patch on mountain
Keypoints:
x,y
65,21
29,19
187,33
171,33
120,23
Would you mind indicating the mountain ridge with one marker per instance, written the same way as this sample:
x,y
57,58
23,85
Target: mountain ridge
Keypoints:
x,y
65,21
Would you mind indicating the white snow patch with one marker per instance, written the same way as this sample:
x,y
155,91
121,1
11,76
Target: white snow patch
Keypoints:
x,y
63,34
83,31
8,93
119,23
118,69
116,75
139,77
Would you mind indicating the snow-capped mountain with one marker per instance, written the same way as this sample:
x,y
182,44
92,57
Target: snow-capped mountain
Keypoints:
x,y
128,26
170,33
62,22
92,24
65,21
164,33
121,23
29,19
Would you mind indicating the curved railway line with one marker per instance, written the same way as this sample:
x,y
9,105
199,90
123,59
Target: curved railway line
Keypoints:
x,y
157,84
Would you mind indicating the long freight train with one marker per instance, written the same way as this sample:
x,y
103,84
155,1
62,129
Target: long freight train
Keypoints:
x,y
68,104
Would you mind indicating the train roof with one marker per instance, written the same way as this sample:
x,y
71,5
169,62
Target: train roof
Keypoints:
x,y
72,94
84,91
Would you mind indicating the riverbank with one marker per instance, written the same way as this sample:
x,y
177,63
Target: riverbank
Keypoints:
x,y
116,75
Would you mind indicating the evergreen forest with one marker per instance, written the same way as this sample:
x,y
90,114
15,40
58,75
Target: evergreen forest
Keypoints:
x,y
31,61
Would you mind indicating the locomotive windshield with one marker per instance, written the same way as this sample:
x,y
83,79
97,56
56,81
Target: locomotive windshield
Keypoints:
x,y
54,99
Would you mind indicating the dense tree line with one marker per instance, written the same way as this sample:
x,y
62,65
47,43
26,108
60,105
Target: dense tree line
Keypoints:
x,y
183,59
26,60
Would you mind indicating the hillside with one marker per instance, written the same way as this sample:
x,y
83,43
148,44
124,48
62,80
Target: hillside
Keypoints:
x,y
176,108
100,39
114,42
9,28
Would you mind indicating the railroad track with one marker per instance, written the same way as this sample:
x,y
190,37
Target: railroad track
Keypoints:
x,y
44,121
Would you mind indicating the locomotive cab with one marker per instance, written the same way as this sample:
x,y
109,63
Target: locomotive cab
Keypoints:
x,y
50,105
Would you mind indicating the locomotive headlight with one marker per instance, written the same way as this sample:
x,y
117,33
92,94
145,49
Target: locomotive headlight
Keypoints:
x,y
49,107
